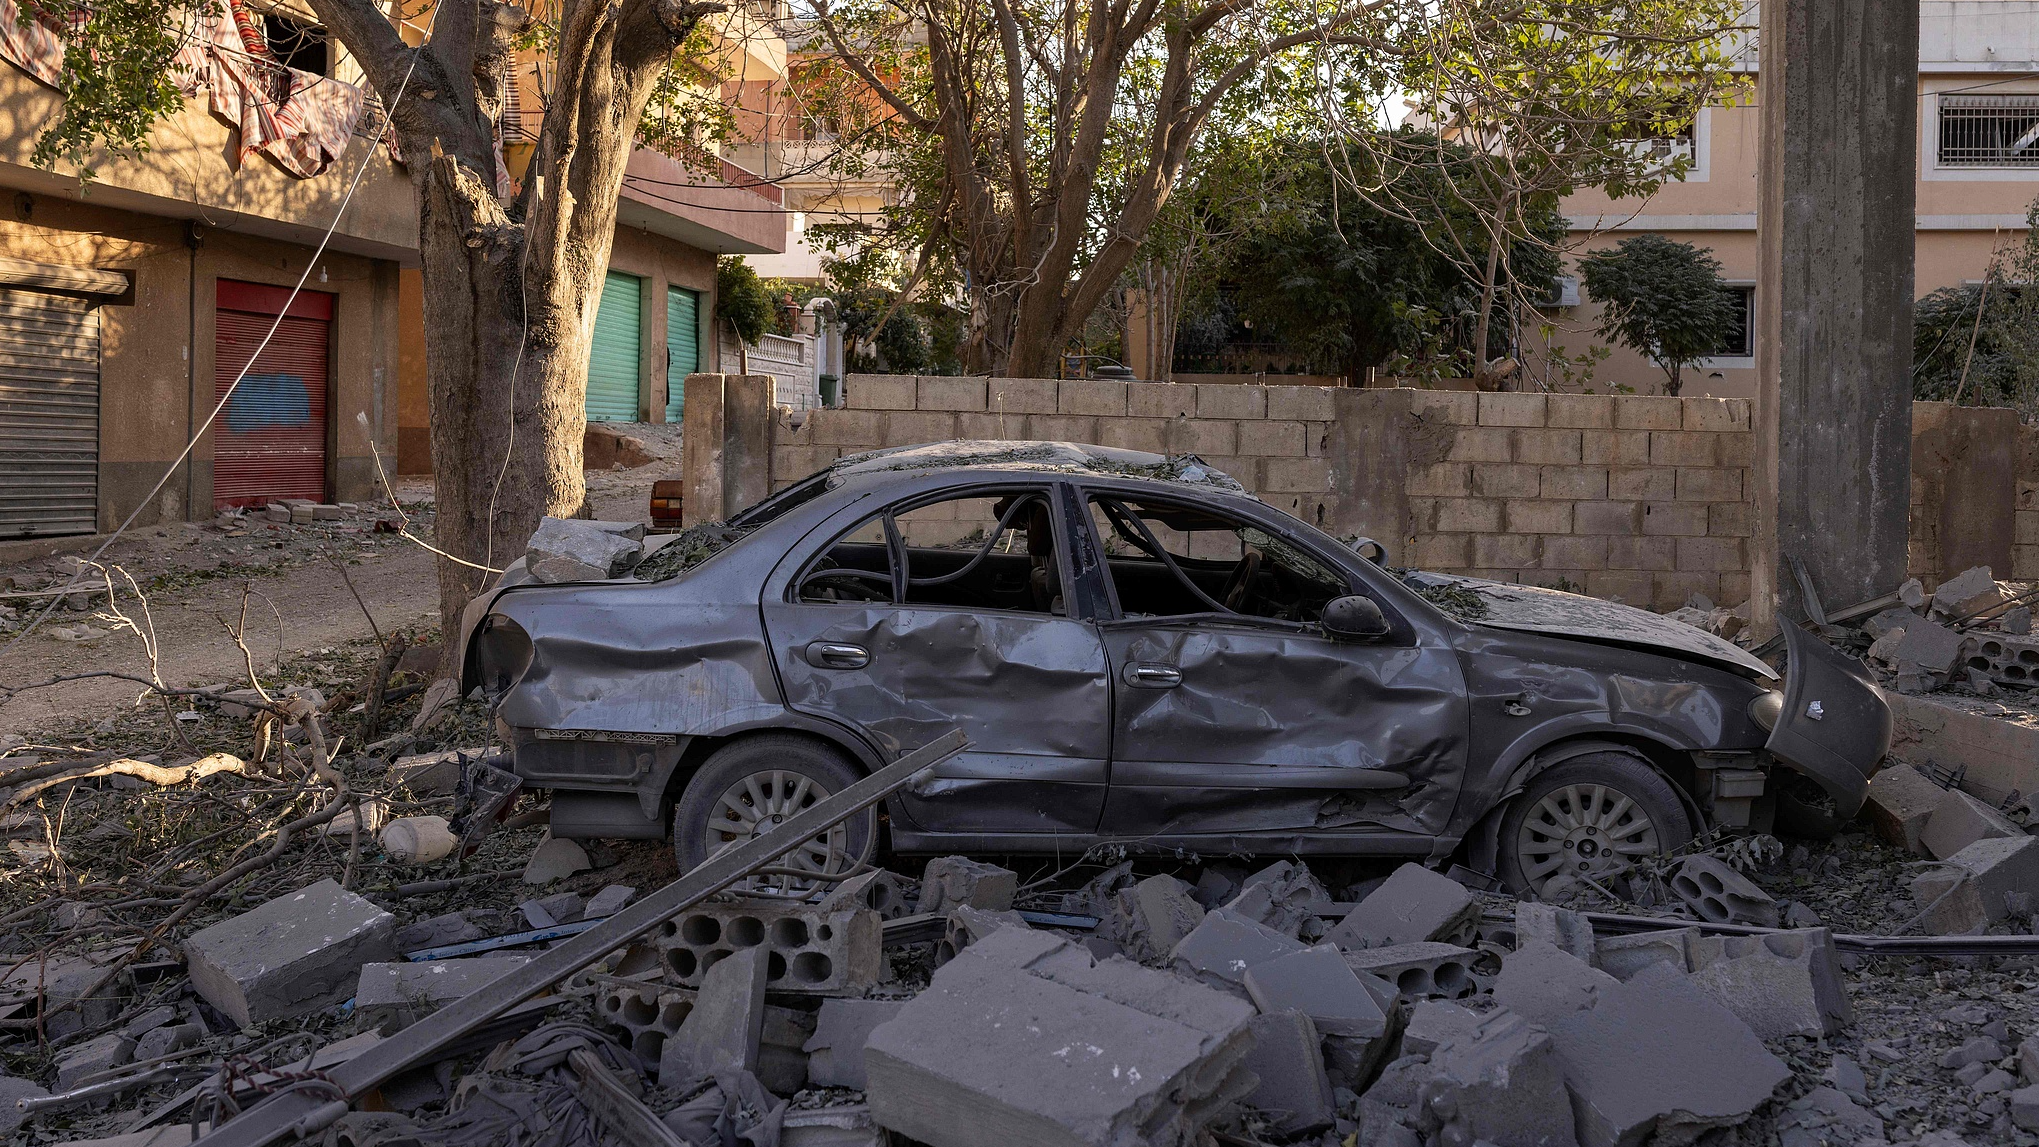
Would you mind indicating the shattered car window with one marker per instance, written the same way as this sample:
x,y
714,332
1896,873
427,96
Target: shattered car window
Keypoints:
x,y
1167,559
979,551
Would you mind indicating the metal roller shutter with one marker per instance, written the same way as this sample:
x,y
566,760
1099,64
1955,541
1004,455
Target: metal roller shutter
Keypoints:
x,y
617,352
270,441
49,414
683,347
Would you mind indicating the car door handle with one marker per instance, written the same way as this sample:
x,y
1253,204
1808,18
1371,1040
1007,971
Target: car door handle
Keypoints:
x,y
837,655
1153,676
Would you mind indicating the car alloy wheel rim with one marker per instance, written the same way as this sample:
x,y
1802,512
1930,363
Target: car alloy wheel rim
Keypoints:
x,y
1583,831
759,803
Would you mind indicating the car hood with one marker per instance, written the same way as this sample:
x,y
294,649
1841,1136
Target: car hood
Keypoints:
x,y
1537,610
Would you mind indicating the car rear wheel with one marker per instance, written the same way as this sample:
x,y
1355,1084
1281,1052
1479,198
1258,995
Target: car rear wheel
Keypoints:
x,y
749,787
1588,819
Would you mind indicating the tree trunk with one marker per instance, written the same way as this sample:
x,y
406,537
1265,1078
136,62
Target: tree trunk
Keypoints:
x,y
1480,379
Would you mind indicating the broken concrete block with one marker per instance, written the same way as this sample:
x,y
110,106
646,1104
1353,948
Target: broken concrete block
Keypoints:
x,y
43,985
150,1020
1971,592
1954,909
817,953
1224,945
1294,1093
1421,969
391,997
100,1053
439,931
1624,956
1284,896
1413,905
1980,1049
1109,1053
1501,1083
1433,1023
1901,800
967,925
2016,621
1150,918
556,858
1894,618
2028,1060
418,839
839,1126
1546,984
552,911
1960,820
296,954
956,881
564,549
877,890
1561,928
435,773
1657,1055
1719,894
608,901
1784,983
12,1091
168,1040
2025,1108
1912,593
2001,867
1320,984
1933,647
835,1053
725,1027
1218,884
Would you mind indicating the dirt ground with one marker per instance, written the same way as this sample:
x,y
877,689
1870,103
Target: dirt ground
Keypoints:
x,y
194,575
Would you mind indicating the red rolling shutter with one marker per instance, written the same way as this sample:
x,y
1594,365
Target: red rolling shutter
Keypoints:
x,y
270,441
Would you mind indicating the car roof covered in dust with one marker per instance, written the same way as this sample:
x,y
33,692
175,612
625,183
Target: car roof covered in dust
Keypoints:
x,y
1032,456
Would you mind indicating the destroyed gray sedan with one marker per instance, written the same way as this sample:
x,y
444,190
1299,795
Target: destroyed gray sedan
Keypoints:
x,y
1139,651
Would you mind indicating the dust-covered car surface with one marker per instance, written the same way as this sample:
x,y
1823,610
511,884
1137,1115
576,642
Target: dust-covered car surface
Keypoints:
x,y
1139,651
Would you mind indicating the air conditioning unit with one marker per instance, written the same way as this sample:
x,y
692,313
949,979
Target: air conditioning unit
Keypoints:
x,y
1564,291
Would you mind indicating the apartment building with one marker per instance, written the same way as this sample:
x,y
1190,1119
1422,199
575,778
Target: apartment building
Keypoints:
x,y
1977,172
130,302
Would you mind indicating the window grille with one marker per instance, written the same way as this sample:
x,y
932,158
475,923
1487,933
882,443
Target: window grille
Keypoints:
x,y
1989,131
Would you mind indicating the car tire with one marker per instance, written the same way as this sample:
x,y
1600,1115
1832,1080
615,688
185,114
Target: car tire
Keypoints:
x,y
1587,818
742,785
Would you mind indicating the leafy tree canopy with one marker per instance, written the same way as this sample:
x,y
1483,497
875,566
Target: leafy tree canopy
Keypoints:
x,y
1661,298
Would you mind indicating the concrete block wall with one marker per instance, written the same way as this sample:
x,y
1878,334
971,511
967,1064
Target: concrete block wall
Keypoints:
x,y
2025,515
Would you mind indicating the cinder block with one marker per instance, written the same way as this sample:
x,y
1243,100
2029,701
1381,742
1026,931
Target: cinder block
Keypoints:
x,y
1061,428
1545,447
1284,896
1615,447
1150,918
1574,482
1413,905
1442,551
1225,945
951,393
985,426
1206,438
1729,520
1021,395
391,997
799,461
1721,895
1466,515
1630,586
1320,983
1293,1092
725,1028
1737,450
1230,400
1901,800
913,427
1527,516
1506,480
1716,413
881,391
1101,397
1509,551
1574,552
1639,553
954,881
1545,983
967,925
825,953
1677,587
1657,1053
1160,400
1301,403
841,427
1647,412
1643,483
1494,1079
1711,554
296,954
1511,409
1699,484
1618,519
1785,983
1960,820
1585,411
1683,448
878,891
1456,407
1676,519
1624,956
1269,438
1480,444
1420,969
1295,475
1999,866
100,1053
1441,480
836,1050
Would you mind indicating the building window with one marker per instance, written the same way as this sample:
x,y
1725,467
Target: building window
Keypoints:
x,y
1989,131
1741,336
297,45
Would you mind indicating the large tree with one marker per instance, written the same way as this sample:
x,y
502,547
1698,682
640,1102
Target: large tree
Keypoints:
x,y
1663,299
511,280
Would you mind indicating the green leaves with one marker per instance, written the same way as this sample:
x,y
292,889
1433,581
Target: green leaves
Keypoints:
x,y
1662,298
741,298
116,81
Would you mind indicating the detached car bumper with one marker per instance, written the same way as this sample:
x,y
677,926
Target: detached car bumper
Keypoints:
x,y
1835,725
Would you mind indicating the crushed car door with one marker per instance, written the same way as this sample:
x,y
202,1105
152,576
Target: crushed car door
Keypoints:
x,y
949,610
1234,713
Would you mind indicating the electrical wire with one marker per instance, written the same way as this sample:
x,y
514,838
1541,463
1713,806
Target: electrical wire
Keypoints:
x,y
184,454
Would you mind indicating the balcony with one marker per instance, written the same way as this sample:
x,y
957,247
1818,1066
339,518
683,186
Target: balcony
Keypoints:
x,y
731,212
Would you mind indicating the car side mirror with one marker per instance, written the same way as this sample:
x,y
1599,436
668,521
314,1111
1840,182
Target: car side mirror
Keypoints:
x,y
1355,618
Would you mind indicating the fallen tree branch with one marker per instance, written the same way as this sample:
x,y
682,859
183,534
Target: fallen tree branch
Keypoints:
x,y
164,775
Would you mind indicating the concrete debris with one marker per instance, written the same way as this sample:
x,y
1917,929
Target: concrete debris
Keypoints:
x,y
609,901
1413,905
1284,896
1901,800
12,1091
1293,1092
1225,945
439,931
1973,591
1546,983
58,987
1319,983
1657,1055
836,1050
391,997
296,954
1912,593
1110,1053
100,1053
2016,621
1999,867
878,890
1784,983
958,881
1421,970
432,774
1497,1079
1933,647
567,549
1960,820
1150,918
1719,894
1623,957
810,952
164,1041
556,859
968,925
1887,620
1561,928
726,1025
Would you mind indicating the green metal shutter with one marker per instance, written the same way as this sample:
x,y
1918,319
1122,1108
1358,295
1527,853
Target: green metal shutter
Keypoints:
x,y
615,357
683,347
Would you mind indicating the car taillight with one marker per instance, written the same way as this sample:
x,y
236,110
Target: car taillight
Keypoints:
x,y
502,652
666,498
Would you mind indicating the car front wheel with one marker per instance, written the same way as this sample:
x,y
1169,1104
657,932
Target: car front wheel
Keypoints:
x,y
751,786
1587,820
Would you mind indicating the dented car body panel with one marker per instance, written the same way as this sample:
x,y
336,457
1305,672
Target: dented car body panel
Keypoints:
x,y
1100,703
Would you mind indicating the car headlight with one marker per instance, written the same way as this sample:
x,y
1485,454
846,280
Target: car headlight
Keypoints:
x,y
1765,710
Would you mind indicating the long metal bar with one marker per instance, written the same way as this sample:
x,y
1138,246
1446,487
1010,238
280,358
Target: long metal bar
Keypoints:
x,y
1858,943
301,1114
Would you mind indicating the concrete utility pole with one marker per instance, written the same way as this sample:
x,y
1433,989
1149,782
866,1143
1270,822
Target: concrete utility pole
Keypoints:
x,y
1838,85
